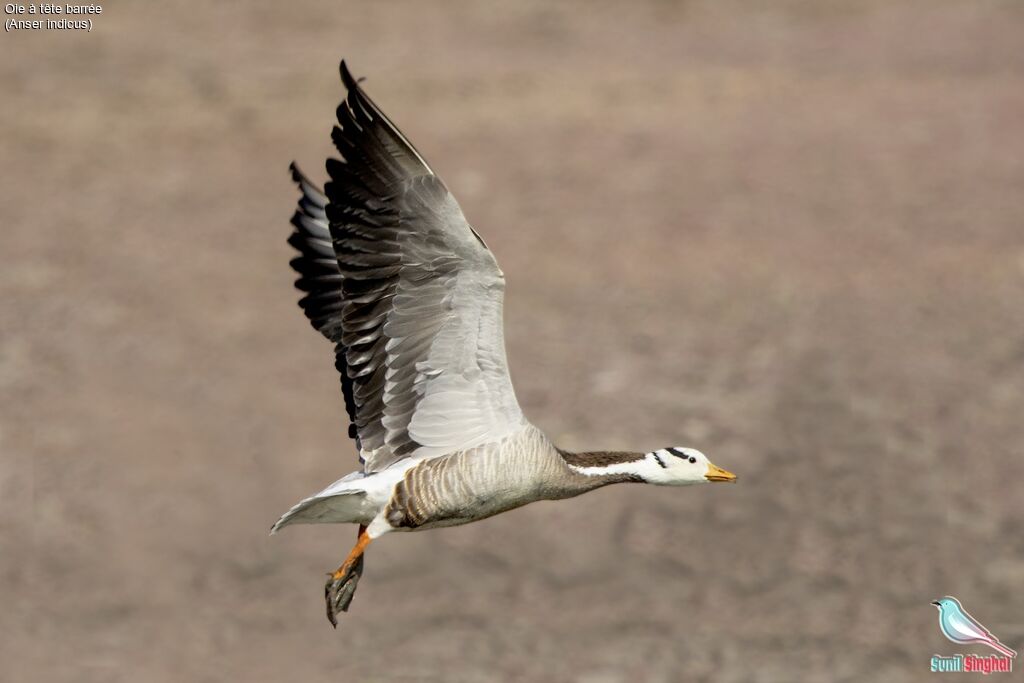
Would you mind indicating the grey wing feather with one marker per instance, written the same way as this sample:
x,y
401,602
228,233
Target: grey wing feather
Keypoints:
x,y
419,301
320,277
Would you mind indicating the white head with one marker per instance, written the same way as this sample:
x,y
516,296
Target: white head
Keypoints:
x,y
672,466
675,466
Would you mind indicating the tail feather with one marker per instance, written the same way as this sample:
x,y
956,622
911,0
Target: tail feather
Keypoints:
x,y
340,508
995,644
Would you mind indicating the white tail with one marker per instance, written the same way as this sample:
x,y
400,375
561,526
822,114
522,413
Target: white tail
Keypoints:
x,y
350,507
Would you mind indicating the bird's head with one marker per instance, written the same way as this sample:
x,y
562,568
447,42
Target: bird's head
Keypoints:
x,y
947,602
677,466
672,466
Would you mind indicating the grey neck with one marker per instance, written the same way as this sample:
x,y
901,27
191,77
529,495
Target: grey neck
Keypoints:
x,y
578,482
600,458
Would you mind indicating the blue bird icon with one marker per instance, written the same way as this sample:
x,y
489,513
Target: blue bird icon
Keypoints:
x,y
959,626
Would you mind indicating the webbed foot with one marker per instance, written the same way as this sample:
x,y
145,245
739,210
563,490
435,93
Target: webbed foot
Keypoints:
x,y
340,589
341,586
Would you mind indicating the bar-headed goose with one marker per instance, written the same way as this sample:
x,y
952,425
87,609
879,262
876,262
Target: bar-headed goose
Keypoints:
x,y
411,298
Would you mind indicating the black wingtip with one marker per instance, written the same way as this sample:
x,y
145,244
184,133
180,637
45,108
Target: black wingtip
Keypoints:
x,y
293,168
346,76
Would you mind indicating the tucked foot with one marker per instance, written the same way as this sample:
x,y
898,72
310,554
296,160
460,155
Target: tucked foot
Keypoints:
x,y
340,589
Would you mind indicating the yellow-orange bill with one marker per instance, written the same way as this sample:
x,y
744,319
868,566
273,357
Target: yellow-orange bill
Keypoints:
x,y
716,473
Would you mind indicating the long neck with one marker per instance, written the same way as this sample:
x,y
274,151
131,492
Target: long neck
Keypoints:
x,y
591,470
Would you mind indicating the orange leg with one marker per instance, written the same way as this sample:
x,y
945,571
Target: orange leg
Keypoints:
x,y
342,585
362,541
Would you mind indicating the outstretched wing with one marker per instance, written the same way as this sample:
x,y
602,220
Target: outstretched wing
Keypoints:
x,y
412,300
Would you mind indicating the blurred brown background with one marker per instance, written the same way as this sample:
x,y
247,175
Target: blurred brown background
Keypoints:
x,y
790,236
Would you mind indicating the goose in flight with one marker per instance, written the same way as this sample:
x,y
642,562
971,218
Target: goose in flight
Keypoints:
x,y
411,298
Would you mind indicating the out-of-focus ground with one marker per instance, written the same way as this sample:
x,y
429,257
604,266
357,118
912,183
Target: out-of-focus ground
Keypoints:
x,y
792,237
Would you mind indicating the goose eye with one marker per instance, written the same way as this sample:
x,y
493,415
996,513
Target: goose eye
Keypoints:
x,y
693,459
